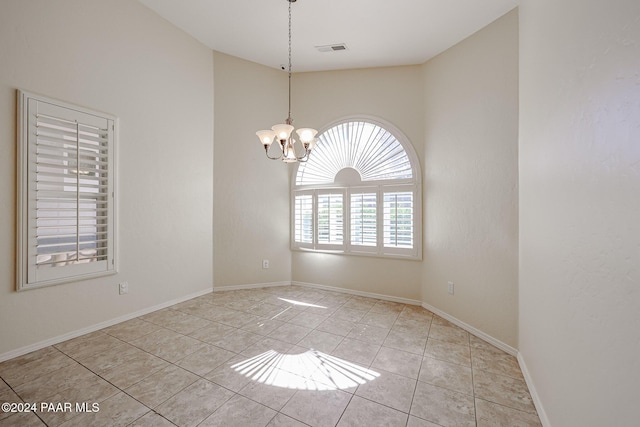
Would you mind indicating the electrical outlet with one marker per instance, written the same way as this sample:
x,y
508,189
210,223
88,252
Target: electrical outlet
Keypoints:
x,y
123,288
450,287
265,263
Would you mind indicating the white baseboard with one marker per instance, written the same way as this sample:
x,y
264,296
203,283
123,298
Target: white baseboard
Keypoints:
x,y
359,293
532,390
250,286
478,333
56,340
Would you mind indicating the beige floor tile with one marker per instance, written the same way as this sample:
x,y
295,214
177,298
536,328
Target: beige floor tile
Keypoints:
x,y
450,334
8,396
79,342
360,303
195,403
151,419
448,375
237,319
452,353
363,412
504,390
25,369
134,370
381,320
271,396
317,408
131,329
240,412
368,333
419,422
169,345
117,411
237,341
387,307
356,351
308,320
21,419
213,332
443,406
321,341
93,390
205,359
349,314
158,387
291,348
263,326
405,342
46,386
497,362
113,356
290,333
227,376
267,344
187,324
281,420
493,415
411,326
398,362
336,326
390,390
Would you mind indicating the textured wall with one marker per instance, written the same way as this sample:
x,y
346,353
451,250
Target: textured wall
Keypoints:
x,y
159,82
580,208
251,192
471,180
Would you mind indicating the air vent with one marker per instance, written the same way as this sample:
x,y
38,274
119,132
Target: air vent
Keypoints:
x,y
332,47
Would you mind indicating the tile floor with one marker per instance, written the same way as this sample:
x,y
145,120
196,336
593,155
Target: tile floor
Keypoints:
x,y
284,356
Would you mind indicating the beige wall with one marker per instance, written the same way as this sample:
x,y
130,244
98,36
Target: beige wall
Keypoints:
x,y
395,95
580,208
121,58
251,192
471,180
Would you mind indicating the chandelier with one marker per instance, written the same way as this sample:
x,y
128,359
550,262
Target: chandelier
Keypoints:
x,y
282,132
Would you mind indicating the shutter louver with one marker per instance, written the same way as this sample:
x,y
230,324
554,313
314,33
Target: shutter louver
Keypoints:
x,y
363,219
398,220
71,191
330,219
304,219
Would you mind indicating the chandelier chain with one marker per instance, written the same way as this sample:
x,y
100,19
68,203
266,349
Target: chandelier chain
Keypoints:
x,y
289,115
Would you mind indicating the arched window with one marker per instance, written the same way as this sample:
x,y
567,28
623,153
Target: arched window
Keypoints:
x,y
359,193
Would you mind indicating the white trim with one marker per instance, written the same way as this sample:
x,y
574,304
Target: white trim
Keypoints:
x,y
359,293
478,333
250,286
74,334
532,390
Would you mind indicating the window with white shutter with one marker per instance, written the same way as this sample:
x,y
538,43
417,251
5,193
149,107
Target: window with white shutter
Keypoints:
x,y
66,209
359,192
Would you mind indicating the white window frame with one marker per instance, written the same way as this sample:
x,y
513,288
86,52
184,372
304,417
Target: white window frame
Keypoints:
x,y
32,274
381,187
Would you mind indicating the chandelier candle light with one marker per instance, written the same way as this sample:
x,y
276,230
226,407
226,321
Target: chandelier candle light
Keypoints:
x,y
282,132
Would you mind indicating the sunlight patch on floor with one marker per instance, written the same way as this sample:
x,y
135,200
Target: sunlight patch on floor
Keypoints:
x,y
311,370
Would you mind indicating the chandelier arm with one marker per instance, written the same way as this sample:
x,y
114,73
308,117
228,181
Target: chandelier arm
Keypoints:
x,y
266,151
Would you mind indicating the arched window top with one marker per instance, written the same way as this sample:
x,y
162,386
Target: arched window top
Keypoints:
x,y
355,149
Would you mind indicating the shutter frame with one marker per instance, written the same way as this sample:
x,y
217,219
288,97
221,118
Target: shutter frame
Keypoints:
x,y
66,192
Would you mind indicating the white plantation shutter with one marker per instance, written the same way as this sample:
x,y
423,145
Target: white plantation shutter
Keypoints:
x,y
303,219
330,219
361,188
67,229
364,217
398,220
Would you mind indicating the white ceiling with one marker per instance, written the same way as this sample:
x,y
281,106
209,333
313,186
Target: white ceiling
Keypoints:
x,y
377,32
